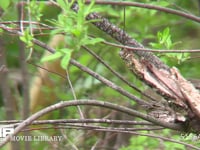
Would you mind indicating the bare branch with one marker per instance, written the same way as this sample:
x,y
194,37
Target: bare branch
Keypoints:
x,y
97,76
116,73
121,36
104,104
149,6
149,135
66,121
153,50
109,83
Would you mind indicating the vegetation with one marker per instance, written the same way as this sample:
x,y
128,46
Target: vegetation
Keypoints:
x,y
54,57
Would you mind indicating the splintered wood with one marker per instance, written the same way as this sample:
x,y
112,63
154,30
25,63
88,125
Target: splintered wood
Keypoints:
x,y
167,82
189,92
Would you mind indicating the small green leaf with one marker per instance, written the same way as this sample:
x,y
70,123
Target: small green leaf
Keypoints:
x,y
65,50
162,3
65,60
27,38
92,41
164,39
76,32
52,57
166,31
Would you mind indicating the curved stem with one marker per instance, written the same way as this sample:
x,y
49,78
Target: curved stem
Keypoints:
x,y
104,104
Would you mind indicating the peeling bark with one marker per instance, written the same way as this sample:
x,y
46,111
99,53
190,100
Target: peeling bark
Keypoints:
x,y
152,71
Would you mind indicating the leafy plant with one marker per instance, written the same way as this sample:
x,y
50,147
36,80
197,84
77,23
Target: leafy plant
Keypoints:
x,y
164,41
74,26
35,10
27,38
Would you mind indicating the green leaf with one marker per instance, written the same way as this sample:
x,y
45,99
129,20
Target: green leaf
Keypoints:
x,y
89,8
92,41
76,32
27,38
65,50
163,3
62,4
36,9
4,5
52,57
164,39
65,60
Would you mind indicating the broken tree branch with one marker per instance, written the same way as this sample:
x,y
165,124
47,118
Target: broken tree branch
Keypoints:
x,y
151,70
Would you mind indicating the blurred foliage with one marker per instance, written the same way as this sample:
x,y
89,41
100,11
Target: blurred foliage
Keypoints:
x,y
165,31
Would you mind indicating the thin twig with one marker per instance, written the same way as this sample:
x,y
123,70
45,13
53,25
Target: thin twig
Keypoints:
x,y
66,121
116,73
102,79
149,135
152,50
135,4
109,83
50,71
104,104
29,22
90,127
24,69
74,94
149,6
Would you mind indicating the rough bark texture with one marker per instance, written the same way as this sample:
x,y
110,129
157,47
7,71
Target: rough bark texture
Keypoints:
x,y
122,37
152,71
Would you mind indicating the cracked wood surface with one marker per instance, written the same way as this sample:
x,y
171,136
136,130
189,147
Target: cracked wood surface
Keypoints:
x,y
152,71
